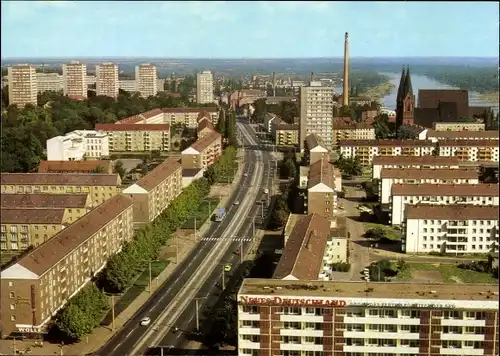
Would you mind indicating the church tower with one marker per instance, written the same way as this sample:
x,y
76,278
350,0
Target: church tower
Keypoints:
x,y
405,101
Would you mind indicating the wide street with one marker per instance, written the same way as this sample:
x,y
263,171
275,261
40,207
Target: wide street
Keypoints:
x,y
176,296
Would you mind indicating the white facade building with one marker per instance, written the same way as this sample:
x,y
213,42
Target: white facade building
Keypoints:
x,y
405,161
320,318
470,150
444,194
107,80
49,82
204,87
22,80
127,85
390,176
451,229
77,145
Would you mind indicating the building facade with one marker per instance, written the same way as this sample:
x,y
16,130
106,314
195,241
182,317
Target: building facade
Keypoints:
x,y
78,145
41,282
403,195
321,195
49,82
358,131
316,113
405,161
75,205
314,149
470,150
153,193
23,87
189,117
204,87
319,318
100,187
436,136
458,228
390,176
75,79
205,126
458,126
146,76
136,137
284,134
204,152
107,80
367,149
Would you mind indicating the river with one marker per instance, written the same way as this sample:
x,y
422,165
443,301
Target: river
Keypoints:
x,y
422,82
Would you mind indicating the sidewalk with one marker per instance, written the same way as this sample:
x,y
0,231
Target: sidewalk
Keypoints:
x,y
101,334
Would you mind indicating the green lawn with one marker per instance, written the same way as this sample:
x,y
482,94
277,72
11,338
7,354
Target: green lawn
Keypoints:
x,y
450,273
202,214
390,232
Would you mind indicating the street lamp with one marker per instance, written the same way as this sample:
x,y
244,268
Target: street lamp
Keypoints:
x,y
197,312
112,309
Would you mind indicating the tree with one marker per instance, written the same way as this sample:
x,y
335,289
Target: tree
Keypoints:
x,y
349,166
98,169
375,234
118,169
260,110
383,128
287,168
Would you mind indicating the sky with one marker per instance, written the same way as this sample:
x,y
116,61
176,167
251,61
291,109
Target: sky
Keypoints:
x,y
241,29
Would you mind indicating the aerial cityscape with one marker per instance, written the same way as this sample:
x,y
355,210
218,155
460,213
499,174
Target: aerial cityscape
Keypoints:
x,y
249,178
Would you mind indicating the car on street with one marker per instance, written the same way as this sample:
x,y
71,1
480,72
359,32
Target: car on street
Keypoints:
x,y
237,202
146,321
245,175
227,268
266,191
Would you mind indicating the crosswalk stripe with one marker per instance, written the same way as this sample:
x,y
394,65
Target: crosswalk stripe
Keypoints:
x,y
216,239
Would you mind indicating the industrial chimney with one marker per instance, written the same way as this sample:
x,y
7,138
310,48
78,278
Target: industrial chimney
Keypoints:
x,y
312,77
345,95
274,84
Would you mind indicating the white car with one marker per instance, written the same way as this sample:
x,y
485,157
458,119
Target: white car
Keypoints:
x,y
245,175
237,202
266,191
146,321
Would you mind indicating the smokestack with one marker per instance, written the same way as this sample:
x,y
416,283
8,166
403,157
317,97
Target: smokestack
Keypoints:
x,y
345,96
312,76
274,84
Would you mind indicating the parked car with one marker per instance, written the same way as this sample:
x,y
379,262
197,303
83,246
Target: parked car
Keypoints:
x,y
146,321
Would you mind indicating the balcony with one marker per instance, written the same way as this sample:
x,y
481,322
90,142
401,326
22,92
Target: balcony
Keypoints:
x,y
402,350
460,351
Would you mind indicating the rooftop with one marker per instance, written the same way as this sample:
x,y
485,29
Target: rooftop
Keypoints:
x,y
301,288
303,253
321,171
32,216
313,140
46,255
204,142
452,212
73,179
429,173
469,143
16,201
159,174
453,190
132,127
75,166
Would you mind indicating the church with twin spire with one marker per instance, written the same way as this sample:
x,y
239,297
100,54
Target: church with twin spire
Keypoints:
x,y
405,101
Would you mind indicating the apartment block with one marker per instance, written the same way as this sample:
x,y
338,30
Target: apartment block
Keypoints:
x,y
107,80
284,134
23,87
188,117
146,80
78,145
412,132
365,150
316,113
75,79
479,150
128,85
436,136
56,270
75,205
459,229
100,187
94,166
355,131
49,82
458,126
204,152
153,193
314,149
25,227
405,161
335,318
204,87
205,126
403,195
137,137
390,176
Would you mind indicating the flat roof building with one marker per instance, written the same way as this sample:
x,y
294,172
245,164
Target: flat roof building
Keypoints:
x,y
146,76
107,80
75,79
405,161
23,87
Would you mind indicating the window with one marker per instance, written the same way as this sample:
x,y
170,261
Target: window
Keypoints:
x,y
13,318
12,307
12,295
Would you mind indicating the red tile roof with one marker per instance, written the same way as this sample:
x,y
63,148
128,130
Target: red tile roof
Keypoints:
x,y
75,166
457,190
452,212
386,143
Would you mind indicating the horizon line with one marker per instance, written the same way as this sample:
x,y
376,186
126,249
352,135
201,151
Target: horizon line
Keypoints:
x,y
245,58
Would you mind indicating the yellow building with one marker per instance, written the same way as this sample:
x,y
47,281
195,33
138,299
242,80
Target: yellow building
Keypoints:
x,y
137,137
284,134
153,193
22,228
355,131
99,187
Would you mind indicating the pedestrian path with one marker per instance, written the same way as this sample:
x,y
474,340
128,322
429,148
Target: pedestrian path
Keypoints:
x,y
221,238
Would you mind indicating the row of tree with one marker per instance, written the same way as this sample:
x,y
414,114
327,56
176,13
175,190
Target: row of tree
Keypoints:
x,y
224,168
26,130
226,126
